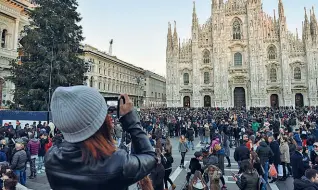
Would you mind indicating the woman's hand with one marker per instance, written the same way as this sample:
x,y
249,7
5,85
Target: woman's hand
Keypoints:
x,y
234,178
126,107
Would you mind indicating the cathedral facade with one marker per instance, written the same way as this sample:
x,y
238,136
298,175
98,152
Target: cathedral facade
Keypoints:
x,y
242,56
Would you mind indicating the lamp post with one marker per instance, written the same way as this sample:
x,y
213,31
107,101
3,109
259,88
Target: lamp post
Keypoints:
x,y
138,79
51,68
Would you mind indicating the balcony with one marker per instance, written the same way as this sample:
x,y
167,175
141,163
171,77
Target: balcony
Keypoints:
x,y
237,69
273,83
298,81
11,54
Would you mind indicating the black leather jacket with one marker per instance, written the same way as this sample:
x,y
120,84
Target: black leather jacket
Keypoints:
x,y
66,170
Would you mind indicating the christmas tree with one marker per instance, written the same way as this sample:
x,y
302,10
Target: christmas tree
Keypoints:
x,y
51,46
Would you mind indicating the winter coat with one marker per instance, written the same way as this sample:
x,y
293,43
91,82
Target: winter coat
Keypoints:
x,y
195,165
3,156
19,160
42,147
190,134
248,181
226,145
206,131
313,156
157,175
284,150
276,157
297,164
264,152
201,131
183,146
304,184
210,160
34,146
107,172
169,160
241,153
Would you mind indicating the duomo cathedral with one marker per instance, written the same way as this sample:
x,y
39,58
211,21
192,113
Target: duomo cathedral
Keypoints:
x,y
242,56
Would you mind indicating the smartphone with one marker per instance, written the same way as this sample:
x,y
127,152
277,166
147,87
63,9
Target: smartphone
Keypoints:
x,y
113,105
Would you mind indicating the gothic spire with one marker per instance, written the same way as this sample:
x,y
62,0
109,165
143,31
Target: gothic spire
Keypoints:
x,y
281,11
313,24
274,15
169,38
194,15
175,36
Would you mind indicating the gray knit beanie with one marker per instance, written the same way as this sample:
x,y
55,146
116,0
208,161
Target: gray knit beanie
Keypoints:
x,y
78,112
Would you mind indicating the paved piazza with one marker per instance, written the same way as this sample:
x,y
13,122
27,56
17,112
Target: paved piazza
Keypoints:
x,y
178,175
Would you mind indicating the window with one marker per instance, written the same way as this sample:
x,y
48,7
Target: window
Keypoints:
x,y
91,82
206,56
237,32
3,38
145,93
237,59
99,70
155,94
99,85
104,71
297,73
186,78
273,75
104,86
206,77
272,53
108,87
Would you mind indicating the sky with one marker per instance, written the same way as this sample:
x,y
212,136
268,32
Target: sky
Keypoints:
x,y
139,27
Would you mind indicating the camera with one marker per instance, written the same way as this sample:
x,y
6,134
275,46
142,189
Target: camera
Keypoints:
x,y
113,104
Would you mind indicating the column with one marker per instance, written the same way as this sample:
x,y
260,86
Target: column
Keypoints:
x,y
16,34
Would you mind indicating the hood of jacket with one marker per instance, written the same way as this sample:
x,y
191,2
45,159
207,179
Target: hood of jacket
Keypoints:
x,y
304,183
263,144
34,140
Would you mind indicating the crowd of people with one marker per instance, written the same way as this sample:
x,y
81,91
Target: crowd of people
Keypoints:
x,y
81,151
269,143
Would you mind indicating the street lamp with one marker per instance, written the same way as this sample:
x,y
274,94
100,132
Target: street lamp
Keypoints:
x,y
138,79
51,68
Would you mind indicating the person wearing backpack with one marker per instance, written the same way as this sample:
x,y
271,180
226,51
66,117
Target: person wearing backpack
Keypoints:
x,y
168,169
158,173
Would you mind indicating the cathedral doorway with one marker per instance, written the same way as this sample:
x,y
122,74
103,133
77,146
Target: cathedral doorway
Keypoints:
x,y
239,97
186,101
274,101
299,100
207,101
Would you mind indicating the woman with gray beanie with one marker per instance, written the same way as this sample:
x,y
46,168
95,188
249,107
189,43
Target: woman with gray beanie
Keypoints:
x,y
88,158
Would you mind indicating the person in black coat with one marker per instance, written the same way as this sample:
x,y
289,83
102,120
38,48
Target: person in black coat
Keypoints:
x,y
195,165
241,153
190,137
307,182
275,158
297,163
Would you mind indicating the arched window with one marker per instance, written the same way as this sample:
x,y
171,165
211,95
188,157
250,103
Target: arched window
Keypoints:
x,y
238,59
237,30
3,38
99,85
206,56
272,53
273,75
297,73
186,78
206,77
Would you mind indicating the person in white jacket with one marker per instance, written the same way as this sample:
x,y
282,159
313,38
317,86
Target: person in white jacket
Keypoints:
x,y
52,127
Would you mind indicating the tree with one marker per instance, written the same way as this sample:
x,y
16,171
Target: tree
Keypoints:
x,y
51,44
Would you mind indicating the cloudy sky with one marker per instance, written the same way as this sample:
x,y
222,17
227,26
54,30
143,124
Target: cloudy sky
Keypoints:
x,y
139,27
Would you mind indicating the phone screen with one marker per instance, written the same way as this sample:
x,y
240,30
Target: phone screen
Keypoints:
x,y
112,103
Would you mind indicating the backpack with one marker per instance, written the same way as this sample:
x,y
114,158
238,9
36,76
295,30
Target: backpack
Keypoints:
x,y
217,147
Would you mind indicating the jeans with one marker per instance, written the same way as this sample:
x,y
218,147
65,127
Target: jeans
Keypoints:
x,y
266,165
201,138
21,174
190,143
182,158
206,139
41,163
32,167
118,142
166,178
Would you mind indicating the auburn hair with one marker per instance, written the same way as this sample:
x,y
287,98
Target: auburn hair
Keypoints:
x,y
145,183
101,144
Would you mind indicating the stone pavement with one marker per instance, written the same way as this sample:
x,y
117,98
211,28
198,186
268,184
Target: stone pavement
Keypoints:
x,y
178,175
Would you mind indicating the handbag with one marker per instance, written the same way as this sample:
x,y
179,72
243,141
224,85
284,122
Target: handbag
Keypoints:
x,y
280,170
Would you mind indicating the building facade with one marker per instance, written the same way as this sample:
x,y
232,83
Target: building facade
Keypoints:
x,y
13,18
242,56
112,76
154,90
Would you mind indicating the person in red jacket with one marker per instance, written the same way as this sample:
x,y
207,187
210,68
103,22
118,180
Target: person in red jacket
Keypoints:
x,y
49,144
33,146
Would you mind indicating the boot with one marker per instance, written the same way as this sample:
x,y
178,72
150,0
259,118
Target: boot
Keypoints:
x,y
32,176
173,186
229,165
